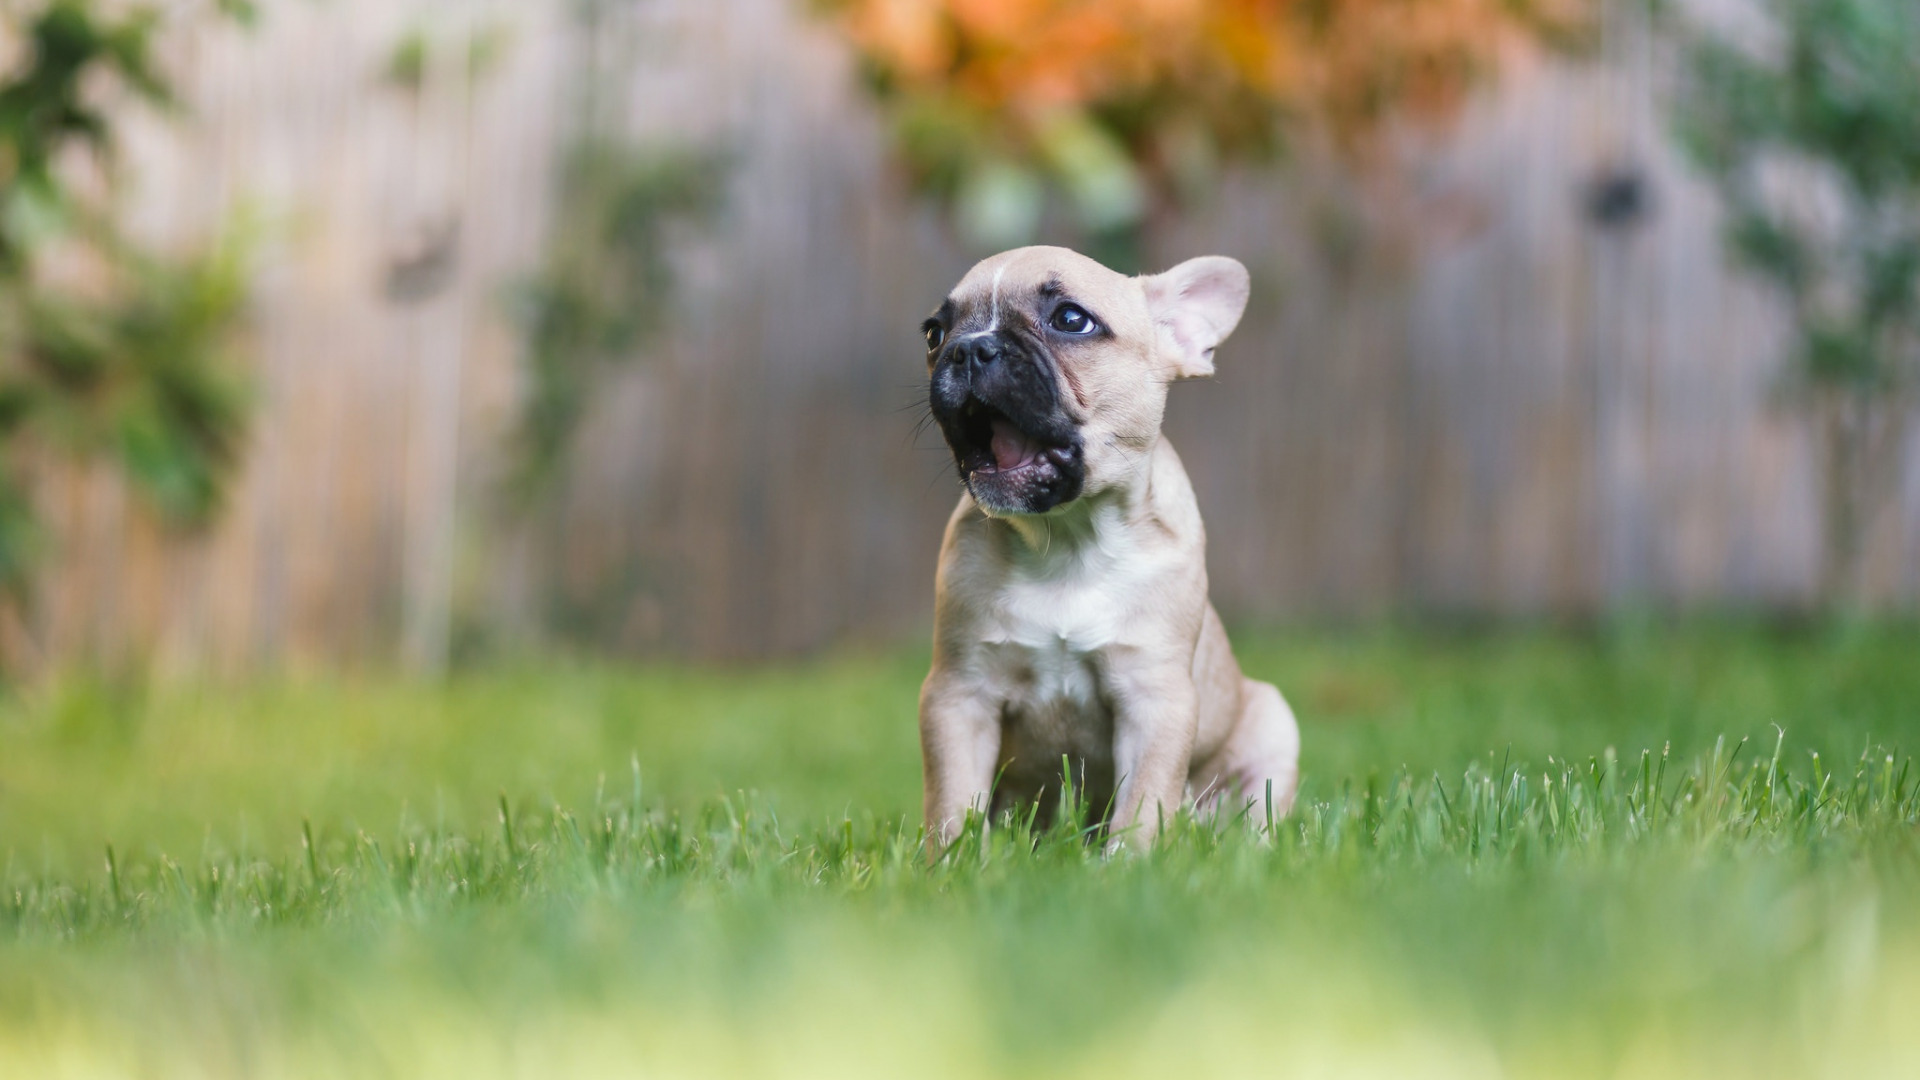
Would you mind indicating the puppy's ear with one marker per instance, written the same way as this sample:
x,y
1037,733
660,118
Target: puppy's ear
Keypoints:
x,y
1195,306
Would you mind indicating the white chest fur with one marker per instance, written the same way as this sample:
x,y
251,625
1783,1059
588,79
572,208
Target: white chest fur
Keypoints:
x,y
1060,606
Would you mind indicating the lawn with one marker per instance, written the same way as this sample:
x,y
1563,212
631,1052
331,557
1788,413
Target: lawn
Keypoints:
x,y
1646,852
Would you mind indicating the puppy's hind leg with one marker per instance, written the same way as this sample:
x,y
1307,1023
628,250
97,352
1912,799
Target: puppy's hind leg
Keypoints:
x,y
1261,756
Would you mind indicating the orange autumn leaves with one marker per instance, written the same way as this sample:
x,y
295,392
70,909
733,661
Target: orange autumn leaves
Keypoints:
x,y
1117,104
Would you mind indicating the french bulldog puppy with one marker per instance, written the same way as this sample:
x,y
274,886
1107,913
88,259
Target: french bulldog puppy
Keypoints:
x,y
1071,621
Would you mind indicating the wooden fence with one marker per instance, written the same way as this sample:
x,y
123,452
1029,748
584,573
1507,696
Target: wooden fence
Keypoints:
x,y
1459,390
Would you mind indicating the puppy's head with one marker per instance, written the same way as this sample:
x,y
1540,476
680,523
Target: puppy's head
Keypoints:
x,y
1049,371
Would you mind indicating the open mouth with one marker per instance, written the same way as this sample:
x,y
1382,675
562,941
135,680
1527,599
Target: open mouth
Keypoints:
x,y
1006,466
992,445
1015,448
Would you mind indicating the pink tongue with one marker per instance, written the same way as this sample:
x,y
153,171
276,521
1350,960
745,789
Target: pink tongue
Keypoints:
x,y
1010,447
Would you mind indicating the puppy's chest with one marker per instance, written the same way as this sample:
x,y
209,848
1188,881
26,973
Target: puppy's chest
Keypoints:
x,y
1048,646
1052,701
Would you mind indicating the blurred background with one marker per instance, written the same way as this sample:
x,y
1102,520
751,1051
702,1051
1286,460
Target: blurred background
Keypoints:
x,y
404,332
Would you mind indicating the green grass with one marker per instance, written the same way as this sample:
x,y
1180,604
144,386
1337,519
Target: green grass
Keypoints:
x,y
1649,853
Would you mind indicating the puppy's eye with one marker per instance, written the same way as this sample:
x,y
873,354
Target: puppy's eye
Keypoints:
x,y
1071,319
935,334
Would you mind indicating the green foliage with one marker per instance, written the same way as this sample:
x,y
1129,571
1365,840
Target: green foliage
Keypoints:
x,y
324,879
44,109
132,367
406,64
606,285
244,12
1109,115
1814,144
142,381
607,279
1836,96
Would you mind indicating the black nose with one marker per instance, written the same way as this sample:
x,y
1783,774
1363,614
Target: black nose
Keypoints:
x,y
976,354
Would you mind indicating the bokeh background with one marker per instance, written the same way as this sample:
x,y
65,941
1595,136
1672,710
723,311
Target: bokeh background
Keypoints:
x,y
467,535
591,324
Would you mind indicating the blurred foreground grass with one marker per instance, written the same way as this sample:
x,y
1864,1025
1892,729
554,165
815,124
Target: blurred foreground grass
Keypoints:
x,y
1498,867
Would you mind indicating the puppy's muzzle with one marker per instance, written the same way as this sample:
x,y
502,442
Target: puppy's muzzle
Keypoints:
x,y
998,406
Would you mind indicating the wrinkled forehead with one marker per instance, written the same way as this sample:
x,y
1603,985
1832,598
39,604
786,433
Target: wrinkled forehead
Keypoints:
x,y
1019,280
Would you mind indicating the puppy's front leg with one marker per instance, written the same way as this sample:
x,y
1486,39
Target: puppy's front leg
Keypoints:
x,y
1156,713
959,750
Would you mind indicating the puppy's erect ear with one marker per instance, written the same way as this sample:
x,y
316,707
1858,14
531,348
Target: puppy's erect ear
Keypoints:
x,y
1195,306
